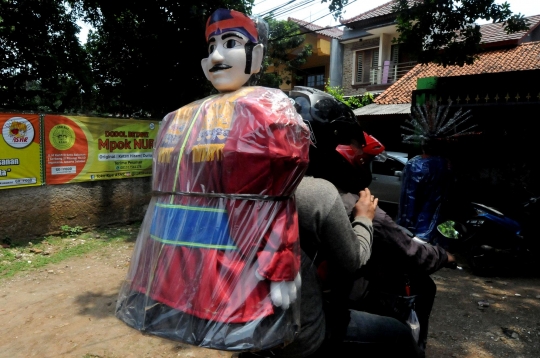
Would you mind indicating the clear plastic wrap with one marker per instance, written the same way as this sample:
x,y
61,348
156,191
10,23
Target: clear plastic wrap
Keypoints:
x,y
426,181
222,226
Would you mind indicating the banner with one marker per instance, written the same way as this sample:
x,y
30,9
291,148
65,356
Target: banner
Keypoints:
x,y
81,149
20,151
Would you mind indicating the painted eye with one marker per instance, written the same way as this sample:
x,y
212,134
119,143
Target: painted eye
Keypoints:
x,y
230,43
211,48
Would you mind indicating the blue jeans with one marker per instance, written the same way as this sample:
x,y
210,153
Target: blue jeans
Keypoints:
x,y
367,336
370,335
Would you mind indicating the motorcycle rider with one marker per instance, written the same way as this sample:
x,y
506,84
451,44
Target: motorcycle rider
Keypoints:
x,y
396,255
327,325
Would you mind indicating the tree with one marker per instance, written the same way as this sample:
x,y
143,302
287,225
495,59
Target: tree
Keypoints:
x,y
43,67
284,38
444,32
336,7
146,55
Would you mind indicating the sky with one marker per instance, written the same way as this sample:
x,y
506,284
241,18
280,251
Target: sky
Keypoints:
x,y
314,9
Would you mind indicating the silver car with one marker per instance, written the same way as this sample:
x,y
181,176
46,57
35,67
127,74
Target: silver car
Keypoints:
x,y
386,184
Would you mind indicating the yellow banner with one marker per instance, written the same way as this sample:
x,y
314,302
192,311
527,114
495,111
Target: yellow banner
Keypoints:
x,y
20,151
81,149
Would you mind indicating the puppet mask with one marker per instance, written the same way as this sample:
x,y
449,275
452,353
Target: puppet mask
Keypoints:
x,y
233,53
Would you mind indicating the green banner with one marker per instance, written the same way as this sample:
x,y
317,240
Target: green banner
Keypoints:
x,y
81,149
20,151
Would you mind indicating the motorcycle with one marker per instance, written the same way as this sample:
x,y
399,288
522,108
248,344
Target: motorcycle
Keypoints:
x,y
490,240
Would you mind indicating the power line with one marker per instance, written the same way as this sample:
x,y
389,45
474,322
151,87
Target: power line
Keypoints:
x,y
311,15
311,31
352,2
285,10
276,8
292,9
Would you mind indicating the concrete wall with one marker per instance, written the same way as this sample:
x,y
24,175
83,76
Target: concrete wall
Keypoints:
x,y
33,212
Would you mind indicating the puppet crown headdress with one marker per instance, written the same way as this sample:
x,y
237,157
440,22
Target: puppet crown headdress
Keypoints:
x,y
429,123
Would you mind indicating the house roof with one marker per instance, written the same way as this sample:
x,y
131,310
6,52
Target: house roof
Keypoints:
x,y
384,9
492,33
326,31
380,10
520,58
379,110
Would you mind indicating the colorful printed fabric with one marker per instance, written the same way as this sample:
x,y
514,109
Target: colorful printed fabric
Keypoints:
x,y
225,171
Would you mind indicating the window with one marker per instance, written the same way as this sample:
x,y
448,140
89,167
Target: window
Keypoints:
x,y
367,63
313,77
315,80
394,54
397,56
400,64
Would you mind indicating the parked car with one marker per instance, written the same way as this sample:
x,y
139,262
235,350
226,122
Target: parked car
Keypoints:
x,y
386,184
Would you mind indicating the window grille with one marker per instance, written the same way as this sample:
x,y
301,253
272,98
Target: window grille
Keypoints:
x,y
359,61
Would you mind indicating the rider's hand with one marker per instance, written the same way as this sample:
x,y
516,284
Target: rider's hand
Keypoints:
x,y
451,263
366,205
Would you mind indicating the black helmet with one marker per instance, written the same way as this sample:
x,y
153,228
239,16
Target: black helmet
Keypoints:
x,y
332,124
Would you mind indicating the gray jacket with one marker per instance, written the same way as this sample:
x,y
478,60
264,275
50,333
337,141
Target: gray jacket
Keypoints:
x,y
325,229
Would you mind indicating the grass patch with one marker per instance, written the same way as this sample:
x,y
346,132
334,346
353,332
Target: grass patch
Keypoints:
x,y
56,248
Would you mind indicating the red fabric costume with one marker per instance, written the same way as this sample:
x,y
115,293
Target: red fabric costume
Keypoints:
x,y
202,241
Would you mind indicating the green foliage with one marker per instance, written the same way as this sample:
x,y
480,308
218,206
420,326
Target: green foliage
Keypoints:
x,y
146,55
447,230
426,27
353,102
336,7
367,98
71,231
281,43
336,92
42,64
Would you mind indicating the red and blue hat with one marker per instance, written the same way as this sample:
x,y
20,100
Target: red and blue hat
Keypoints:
x,y
224,20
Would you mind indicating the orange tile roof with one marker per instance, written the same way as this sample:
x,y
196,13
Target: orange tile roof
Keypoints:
x,y
520,58
326,31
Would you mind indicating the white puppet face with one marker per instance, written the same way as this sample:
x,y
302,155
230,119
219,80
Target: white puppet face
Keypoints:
x,y
225,65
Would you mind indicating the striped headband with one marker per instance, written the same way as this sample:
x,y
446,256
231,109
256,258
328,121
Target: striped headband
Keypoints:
x,y
223,20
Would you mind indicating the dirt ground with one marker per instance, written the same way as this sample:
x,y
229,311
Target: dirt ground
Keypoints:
x,y
67,310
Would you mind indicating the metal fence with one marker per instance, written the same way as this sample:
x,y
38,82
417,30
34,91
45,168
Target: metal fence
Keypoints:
x,y
389,72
